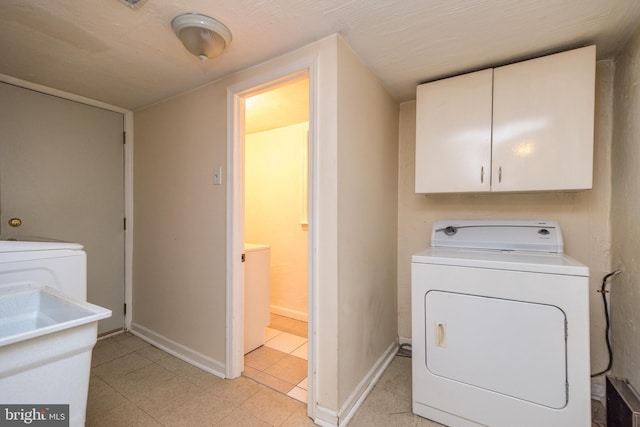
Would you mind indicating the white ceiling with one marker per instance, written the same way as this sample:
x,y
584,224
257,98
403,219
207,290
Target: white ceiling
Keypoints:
x,y
104,50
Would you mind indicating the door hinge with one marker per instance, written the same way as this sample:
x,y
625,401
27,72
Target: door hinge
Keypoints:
x,y
124,223
125,308
242,258
124,137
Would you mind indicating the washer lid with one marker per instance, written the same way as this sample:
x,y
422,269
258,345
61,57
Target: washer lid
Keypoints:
x,y
32,243
532,236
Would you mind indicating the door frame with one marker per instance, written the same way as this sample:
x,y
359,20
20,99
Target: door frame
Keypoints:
x,y
128,173
236,95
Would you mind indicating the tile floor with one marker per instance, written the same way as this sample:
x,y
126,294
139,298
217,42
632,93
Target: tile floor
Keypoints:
x,y
135,384
281,363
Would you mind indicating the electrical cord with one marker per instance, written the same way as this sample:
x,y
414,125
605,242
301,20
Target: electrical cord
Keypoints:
x,y
603,291
404,350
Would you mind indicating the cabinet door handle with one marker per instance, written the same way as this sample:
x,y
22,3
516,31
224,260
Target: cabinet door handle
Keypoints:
x,y
481,174
500,174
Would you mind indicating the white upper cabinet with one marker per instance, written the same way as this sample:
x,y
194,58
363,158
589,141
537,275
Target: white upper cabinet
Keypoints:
x,y
453,134
527,126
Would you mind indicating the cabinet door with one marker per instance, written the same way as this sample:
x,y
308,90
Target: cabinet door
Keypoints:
x,y
453,134
543,113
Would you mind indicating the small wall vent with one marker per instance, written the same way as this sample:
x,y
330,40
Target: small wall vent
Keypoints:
x,y
623,404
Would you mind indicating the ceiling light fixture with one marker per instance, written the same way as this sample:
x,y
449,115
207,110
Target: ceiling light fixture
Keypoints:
x,y
203,36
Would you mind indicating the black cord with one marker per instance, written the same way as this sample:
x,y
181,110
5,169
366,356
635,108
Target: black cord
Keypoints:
x,y
606,318
404,350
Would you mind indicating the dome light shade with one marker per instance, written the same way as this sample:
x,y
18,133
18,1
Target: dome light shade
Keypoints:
x,y
203,36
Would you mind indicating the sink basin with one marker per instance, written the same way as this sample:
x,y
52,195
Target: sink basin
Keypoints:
x,y
30,311
46,341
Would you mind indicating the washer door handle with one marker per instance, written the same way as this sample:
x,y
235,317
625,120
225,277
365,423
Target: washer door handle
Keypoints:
x,y
441,340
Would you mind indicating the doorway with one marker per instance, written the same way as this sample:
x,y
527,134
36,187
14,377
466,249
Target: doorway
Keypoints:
x,y
237,97
276,229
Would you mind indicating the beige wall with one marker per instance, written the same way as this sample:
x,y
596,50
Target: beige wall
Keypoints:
x,y
583,216
625,289
367,220
179,236
275,211
180,218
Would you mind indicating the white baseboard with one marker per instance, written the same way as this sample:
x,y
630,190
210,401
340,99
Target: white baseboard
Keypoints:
x,y
329,418
598,390
293,314
180,351
403,340
325,417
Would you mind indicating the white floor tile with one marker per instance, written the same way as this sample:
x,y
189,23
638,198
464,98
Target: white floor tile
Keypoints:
x,y
298,394
302,351
304,384
285,342
271,333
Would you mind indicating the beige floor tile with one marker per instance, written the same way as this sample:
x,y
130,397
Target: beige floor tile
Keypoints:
x,y
170,362
102,398
299,418
263,357
298,394
205,409
268,380
134,343
235,391
136,384
290,369
286,342
270,333
167,396
287,324
125,415
181,368
199,377
242,418
152,353
270,406
304,384
107,350
302,352
119,367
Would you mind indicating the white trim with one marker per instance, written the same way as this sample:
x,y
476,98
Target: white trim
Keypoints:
x,y
235,238
325,417
360,393
128,213
292,314
178,350
60,94
128,173
404,340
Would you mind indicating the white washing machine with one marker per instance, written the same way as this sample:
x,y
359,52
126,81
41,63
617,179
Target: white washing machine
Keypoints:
x,y
500,326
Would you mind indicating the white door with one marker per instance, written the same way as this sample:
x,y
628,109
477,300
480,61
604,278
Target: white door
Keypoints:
x,y
62,174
